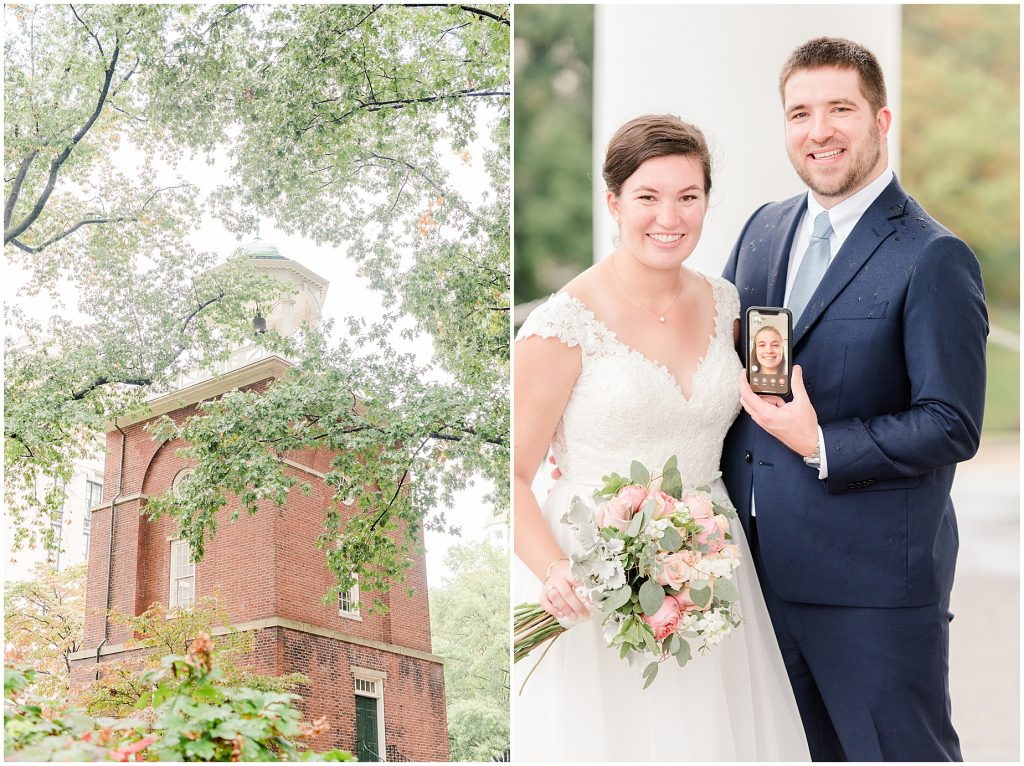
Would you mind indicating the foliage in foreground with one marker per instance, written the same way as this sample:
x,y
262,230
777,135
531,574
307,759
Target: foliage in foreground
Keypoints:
x,y
43,624
124,685
195,720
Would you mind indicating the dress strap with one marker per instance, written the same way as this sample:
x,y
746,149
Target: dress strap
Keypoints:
x,y
727,306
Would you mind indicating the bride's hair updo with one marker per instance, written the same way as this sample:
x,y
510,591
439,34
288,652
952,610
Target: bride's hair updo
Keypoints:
x,y
648,136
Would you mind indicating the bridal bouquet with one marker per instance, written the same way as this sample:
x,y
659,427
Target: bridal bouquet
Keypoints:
x,y
657,560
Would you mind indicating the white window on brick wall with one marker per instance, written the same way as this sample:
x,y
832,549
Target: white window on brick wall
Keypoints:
x,y
183,576
93,497
348,603
178,482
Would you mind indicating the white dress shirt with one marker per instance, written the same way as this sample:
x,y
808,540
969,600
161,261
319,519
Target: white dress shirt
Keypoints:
x,y
843,217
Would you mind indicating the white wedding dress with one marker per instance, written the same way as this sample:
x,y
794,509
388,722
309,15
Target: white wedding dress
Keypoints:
x,y
583,703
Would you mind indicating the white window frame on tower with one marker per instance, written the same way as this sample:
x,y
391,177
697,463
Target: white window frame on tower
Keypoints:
x,y
181,570
367,682
93,497
348,603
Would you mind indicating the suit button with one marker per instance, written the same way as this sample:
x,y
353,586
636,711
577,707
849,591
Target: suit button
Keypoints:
x,y
747,456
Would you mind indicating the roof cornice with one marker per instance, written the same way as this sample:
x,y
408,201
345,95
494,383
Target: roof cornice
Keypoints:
x,y
271,367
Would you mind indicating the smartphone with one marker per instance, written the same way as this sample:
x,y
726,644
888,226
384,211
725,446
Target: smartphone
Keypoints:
x,y
769,349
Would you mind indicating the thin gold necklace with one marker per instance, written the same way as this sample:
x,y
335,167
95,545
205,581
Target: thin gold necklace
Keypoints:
x,y
659,314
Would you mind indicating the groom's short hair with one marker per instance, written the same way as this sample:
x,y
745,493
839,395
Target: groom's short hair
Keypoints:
x,y
842,54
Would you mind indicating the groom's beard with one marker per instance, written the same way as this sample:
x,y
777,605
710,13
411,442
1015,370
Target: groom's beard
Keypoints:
x,y
852,180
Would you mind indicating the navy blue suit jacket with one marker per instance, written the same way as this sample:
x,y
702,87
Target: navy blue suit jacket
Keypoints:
x,y
892,346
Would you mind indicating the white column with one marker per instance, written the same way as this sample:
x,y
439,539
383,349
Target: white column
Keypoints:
x,y
718,67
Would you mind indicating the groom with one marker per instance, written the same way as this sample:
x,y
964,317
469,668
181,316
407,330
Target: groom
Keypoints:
x,y
844,490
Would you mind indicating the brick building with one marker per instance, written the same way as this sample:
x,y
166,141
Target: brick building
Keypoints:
x,y
373,676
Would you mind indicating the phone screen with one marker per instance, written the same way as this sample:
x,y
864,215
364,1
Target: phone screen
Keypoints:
x,y
769,349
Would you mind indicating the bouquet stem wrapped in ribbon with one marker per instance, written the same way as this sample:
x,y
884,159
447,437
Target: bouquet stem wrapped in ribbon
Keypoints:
x,y
657,560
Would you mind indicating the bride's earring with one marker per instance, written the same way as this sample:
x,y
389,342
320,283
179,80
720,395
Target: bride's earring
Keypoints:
x,y
617,236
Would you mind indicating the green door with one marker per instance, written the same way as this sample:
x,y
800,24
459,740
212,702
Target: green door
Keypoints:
x,y
367,744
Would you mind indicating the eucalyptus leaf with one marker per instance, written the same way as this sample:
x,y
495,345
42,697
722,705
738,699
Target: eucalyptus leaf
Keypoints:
x,y
700,593
652,596
616,599
672,483
726,589
639,474
671,644
670,465
635,524
682,654
650,672
670,540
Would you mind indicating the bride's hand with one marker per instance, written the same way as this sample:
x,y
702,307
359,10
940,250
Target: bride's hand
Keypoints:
x,y
559,595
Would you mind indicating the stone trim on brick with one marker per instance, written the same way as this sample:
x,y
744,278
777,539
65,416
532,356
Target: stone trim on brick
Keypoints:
x,y
119,501
282,622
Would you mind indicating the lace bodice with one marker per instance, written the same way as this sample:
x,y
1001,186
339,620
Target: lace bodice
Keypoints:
x,y
627,407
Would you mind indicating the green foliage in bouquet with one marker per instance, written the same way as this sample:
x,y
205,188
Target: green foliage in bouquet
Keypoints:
x,y
655,561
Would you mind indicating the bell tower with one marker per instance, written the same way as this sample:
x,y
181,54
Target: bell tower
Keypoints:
x,y
372,676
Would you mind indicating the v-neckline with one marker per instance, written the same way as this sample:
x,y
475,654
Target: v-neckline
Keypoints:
x,y
702,360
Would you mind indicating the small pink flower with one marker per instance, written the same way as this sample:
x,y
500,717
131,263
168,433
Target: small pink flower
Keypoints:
x,y
124,753
674,571
664,505
616,512
665,621
699,505
634,494
712,533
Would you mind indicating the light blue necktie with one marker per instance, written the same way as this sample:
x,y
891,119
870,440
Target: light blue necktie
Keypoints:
x,y
812,267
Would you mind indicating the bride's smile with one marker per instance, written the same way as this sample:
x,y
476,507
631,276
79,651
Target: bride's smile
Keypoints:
x,y
660,210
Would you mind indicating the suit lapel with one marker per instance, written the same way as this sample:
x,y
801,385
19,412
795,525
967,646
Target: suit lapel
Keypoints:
x,y
871,230
778,260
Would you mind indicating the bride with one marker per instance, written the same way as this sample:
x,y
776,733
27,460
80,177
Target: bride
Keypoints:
x,y
635,359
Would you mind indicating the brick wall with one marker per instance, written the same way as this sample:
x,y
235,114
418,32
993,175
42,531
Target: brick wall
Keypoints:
x,y
265,566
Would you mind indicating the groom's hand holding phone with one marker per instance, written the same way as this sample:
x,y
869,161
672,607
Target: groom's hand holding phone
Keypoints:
x,y
794,423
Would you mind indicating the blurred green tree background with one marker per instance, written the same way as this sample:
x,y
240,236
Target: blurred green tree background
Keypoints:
x,y
961,159
554,51
960,146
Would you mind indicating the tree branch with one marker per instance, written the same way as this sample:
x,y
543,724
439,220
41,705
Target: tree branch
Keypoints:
x,y
102,380
12,197
468,8
58,161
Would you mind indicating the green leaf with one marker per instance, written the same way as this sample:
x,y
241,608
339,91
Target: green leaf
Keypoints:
x,y
652,596
670,465
650,672
672,483
671,644
700,593
639,474
670,540
726,589
616,599
635,525
682,654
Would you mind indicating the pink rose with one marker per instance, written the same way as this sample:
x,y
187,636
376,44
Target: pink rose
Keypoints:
x,y
665,621
683,600
614,513
699,505
674,570
664,505
712,532
635,494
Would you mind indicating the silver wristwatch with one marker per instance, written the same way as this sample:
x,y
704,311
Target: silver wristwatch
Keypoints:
x,y
814,459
